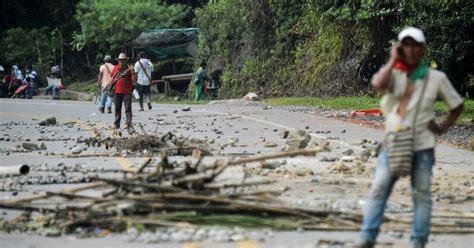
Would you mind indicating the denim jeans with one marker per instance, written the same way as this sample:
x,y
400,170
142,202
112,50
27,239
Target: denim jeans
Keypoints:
x,y
54,91
381,188
105,98
31,90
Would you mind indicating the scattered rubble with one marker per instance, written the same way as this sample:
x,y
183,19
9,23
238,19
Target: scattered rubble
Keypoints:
x,y
48,121
297,140
251,97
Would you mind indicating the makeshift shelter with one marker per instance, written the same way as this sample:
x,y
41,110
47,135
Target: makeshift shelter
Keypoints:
x,y
167,43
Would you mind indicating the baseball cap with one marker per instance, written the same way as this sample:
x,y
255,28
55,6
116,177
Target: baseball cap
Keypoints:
x,y
413,33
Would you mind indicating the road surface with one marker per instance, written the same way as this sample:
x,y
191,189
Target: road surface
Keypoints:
x,y
247,122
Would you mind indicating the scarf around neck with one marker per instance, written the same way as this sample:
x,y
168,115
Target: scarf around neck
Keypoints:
x,y
415,74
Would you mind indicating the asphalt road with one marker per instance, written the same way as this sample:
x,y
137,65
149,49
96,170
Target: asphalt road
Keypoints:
x,y
221,121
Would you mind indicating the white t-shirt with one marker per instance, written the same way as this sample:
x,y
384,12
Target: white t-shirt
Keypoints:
x,y
142,79
438,86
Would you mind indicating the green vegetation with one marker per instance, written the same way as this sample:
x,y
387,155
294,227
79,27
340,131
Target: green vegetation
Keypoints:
x,y
327,48
349,103
363,102
90,87
274,48
165,100
111,23
245,221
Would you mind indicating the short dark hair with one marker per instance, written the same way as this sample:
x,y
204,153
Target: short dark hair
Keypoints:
x,y
142,54
203,64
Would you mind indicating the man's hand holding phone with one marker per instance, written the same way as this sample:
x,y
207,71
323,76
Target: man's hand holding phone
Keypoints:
x,y
396,52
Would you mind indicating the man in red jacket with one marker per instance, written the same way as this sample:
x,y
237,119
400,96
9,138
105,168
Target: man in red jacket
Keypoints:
x,y
123,90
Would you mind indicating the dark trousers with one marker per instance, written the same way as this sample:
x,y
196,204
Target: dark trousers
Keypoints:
x,y
143,90
126,99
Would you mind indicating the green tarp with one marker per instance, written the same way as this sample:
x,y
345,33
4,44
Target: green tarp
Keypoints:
x,y
165,43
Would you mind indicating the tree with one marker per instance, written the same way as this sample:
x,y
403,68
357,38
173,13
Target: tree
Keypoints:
x,y
110,24
29,46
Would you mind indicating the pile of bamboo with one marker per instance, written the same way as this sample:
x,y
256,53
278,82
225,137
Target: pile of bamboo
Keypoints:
x,y
161,196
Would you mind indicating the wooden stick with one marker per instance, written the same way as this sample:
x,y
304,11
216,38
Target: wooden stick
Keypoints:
x,y
144,164
137,184
244,184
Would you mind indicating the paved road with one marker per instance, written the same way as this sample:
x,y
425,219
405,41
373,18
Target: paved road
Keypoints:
x,y
235,119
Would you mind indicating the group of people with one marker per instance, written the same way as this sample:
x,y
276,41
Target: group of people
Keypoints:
x,y
17,84
117,82
25,85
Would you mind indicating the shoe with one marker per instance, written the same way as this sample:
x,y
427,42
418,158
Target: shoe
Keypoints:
x,y
149,105
418,244
101,110
141,109
363,243
109,110
127,126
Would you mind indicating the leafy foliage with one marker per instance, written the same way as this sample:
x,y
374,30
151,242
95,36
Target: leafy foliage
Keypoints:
x,y
327,48
29,46
112,23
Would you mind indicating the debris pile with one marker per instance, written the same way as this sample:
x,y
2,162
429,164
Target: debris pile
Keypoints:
x,y
194,193
169,142
161,196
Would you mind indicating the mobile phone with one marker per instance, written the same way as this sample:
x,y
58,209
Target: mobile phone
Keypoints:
x,y
400,51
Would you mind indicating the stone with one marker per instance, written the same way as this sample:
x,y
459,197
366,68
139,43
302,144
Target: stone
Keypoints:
x,y
300,173
348,152
251,96
347,159
42,146
76,150
297,140
187,108
270,164
232,141
328,159
316,179
270,144
175,111
48,121
29,146
49,232
261,139
284,134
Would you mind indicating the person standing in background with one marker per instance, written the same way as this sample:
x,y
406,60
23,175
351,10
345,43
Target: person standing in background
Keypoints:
x,y
105,77
122,77
143,69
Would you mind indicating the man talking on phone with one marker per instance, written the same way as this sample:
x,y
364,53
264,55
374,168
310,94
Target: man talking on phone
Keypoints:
x,y
411,90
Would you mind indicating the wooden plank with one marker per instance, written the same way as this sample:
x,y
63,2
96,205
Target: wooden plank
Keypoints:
x,y
175,76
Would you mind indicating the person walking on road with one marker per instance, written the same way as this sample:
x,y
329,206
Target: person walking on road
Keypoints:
x,y
411,90
199,81
105,77
122,78
143,69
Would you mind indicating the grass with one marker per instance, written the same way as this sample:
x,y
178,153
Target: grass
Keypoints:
x,y
160,99
364,102
82,87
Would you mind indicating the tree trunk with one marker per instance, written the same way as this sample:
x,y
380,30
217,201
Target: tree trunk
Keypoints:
x,y
40,61
62,51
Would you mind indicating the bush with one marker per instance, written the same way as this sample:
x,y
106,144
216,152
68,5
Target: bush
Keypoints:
x,y
321,48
